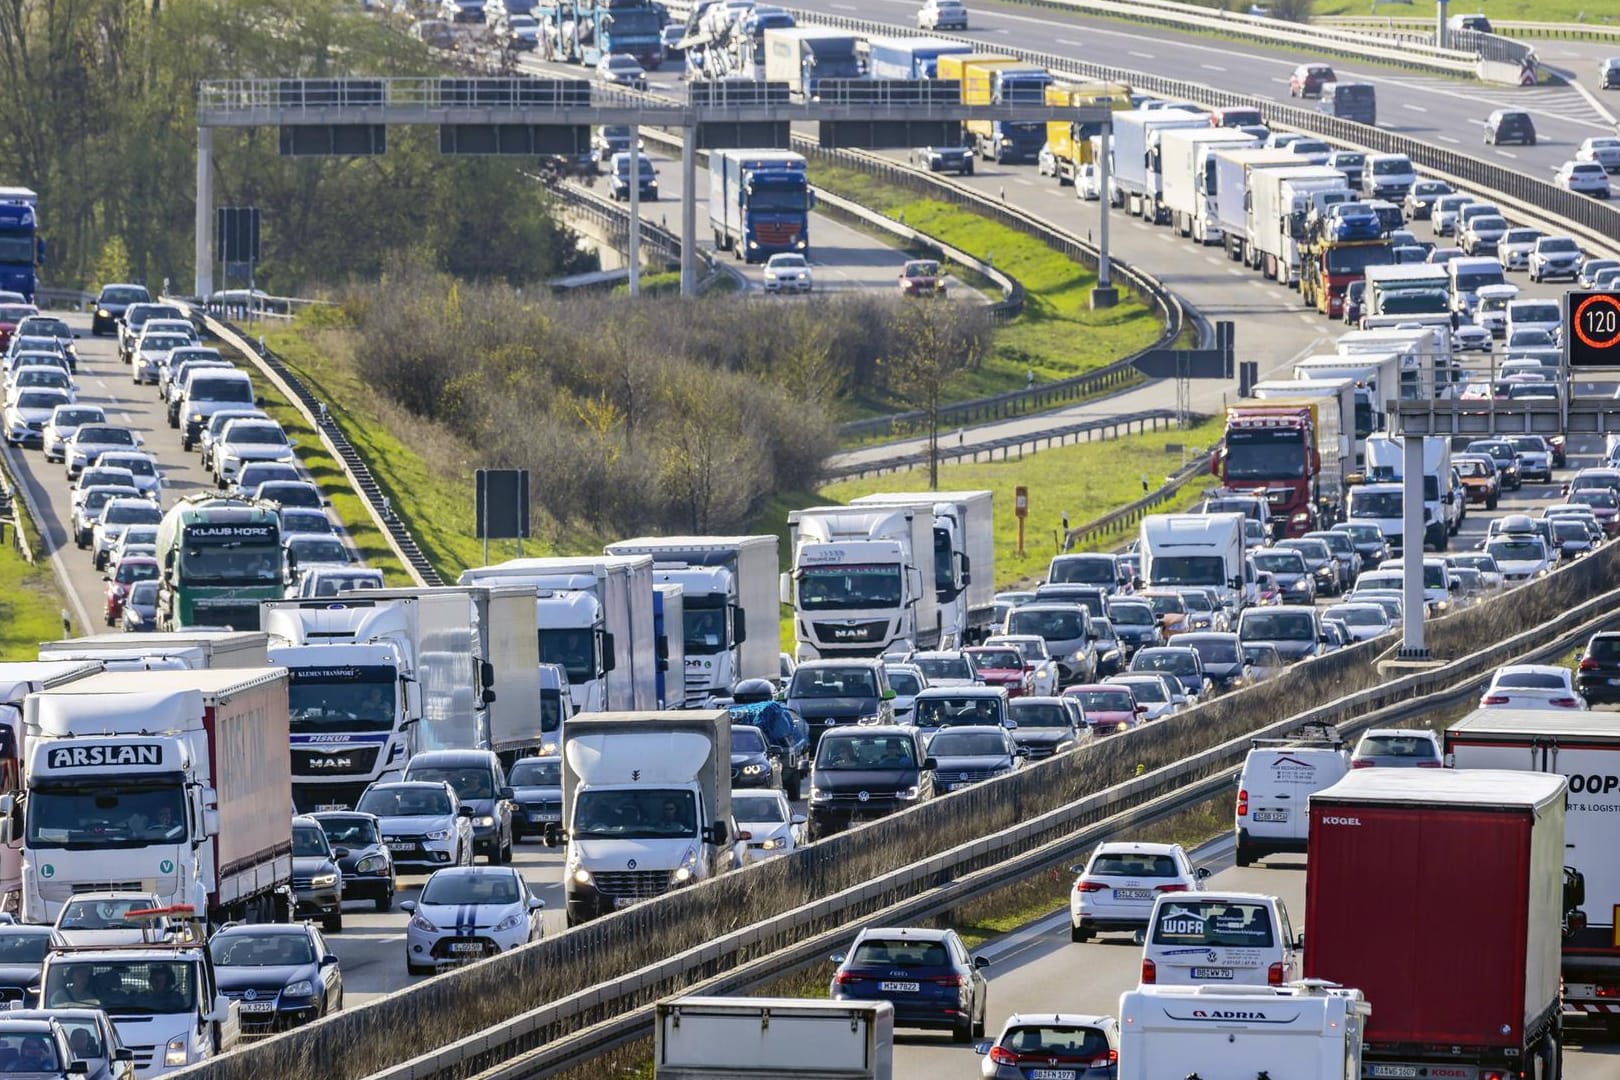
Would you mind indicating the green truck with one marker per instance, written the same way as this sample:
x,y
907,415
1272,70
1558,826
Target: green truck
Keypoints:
x,y
220,558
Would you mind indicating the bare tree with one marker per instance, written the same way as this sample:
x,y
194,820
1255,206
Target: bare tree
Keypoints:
x,y
937,342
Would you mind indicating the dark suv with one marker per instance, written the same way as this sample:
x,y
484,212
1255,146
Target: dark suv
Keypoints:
x,y
479,781
829,693
1509,125
865,772
926,974
1598,675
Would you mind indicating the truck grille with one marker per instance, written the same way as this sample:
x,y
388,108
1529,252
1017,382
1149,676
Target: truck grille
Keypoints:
x,y
309,798
59,891
349,761
855,796
698,683
237,614
860,633
777,233
636,884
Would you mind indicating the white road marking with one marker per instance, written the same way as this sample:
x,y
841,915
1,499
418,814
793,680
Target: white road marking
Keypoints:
x,y
1308,317
1507,153
1449,139
1206,67
1143,55
1070,41
1404,105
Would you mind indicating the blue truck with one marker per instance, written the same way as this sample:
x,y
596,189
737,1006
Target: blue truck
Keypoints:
x,y
759,202
21,249
584,31
909,58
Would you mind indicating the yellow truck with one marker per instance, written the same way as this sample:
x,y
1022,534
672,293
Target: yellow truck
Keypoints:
x,y
989,79
1071,142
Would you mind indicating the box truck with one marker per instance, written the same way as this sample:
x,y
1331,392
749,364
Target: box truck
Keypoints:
x,y
736,1038
861,581
1187,194
1204,550
1334,393
194,649
964,557
1279,201
1135,172
1229,184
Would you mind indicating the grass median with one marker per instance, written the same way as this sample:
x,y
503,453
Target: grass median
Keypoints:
x,y
31,603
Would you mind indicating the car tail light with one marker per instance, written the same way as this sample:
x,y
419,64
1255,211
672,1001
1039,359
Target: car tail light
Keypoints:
x,y
1497,1074
1150,972
1428,765
1106,1062
944,980
1495,699
1243,802
1089,886
1565,703
1589,664
1603,991
1177,887
1000,1055
1274,975
1362,764
845,978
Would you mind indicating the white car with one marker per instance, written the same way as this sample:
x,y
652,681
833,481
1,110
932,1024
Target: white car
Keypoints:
x,y
1468,338
90,441
1117,886
1555,256
466,913
1514,248
1603,149
1162,695
64,421
788,272
143,469
1482,233
136,540
1583,178
151,350
767,817
110,524
1520,556
248,440
1089,182
1447,208
28,413
1364,621
1534,313
40,377
101,918
942,15
1531,686
907,681
307,551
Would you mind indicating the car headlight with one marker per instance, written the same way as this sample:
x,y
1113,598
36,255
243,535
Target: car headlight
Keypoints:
x,y
511,922
174,1052
101,313
439,834
1079,655
682,875
420,922
771,844
752,770
301,988
582,876
322,881
909,793
371,864
486,821
1300,584
817,795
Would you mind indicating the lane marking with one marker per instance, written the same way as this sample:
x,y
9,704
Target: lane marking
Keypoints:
x,y
1404,105
1143,55
1206,67
1449,139
1508,154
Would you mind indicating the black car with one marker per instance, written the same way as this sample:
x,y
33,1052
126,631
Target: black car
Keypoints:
x,y
111,304
752,764
280,975
1135,625
1510,125
956,159
1355,295
1597,676
22,958
479,782
927,975
828,693
1177,661
1046,726
362,857
94,1040
1222,657
317,882
537,790
864,772
1507,460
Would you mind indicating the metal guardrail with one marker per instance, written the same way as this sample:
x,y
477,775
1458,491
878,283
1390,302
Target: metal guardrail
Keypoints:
x,y
11,512
616,218
1115,523
1111,427
1573,31
68,299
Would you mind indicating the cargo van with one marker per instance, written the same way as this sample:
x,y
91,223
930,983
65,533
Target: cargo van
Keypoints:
x,y
1219,939
1278,778
1350,101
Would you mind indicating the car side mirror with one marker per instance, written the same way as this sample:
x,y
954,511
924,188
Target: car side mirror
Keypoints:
x,y
123,1053
981,1048
340,853
329,959
1202,873
930,763
508,794
79,1068
981,961
838,957
798,819
889,695
407,906
464,811
536,904
744,834
1299,941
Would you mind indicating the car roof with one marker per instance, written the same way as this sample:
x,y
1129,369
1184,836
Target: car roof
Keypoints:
x,y
300,928
1061,1020
1136,847
962,691
920,933
978,729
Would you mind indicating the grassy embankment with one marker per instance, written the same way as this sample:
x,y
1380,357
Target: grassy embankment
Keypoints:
x,y
30,601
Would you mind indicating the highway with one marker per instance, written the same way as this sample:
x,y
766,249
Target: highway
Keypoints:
x,y
1039,970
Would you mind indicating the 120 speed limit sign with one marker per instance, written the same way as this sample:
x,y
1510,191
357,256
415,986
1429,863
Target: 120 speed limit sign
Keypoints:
x,y
1592,329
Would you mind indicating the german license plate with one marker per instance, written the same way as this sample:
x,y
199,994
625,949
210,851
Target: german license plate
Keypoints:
x,y
1271,815
899,987
1400,1072
466,947
1212,973
1133,894
539,817
1052,1074
323,807
401,847
1580,990
256,1006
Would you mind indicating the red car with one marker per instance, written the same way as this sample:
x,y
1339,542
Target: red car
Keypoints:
x,y
10,316
1307,80
999,665
129,570
1109,708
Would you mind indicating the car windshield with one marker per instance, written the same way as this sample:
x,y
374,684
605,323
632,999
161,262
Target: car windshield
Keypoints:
x,y
1165,603
995,659
24,946
1262,655
1519,550
747,740
1529,336
1360,616
1175,661
472,886
1604,497
247,948
858,752
1278,626
614,813
1280,562
129,572
468,781
940,667
1051,625
1214,924
835,683
967,744
349,832
763,809
900,953
1394,746
122,986
309,842
316,549
529,773
256,435
1084,569
1104,701
405,802
1041,714
1216,651
904,683
130,295
1473,468
1132,864
945,711
1130,614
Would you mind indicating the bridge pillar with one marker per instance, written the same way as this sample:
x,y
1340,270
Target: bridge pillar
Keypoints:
x,y
634,252
205,212
1412,607
688,211
1103,294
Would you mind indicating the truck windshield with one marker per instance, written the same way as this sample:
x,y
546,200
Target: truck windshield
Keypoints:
x,y
1375,504
703,625
1413,302
629,24
1264,454
1356,258
341,699
613,813
230,563
778,200
575,650
1188,570
846,588
87,814
1086,570
122,986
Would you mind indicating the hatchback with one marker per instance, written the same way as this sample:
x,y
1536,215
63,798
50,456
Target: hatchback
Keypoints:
x,y
467,913
1070,1045
925,974
1397,748
1116,888
1510,125
1307,80
1531,686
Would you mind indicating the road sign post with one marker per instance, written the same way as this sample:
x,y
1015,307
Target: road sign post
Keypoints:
x,y
1021,508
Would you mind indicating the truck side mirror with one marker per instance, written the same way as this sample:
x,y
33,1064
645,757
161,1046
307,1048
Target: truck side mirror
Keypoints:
x,y
784,588
661,649
486,673
739,625
39,251
211,822
608,661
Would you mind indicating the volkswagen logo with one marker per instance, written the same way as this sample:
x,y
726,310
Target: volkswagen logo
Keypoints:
x,y
864,796
250,995
631,864
964,776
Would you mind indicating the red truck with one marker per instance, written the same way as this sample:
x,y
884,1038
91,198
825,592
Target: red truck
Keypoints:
x,y
1294,451
1439,894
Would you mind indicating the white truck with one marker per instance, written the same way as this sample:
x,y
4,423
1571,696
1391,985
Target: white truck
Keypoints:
x,y
1229,183
192,649
1377,377
1442,504
861,581
669,622
1332,392
1305,1029
964,558
1180,550
1187,172
174,783
595,618
355,699
1279,201
1425,356
1134,175
738,1038
730,627
1584,748
646,806
1407,293
802,56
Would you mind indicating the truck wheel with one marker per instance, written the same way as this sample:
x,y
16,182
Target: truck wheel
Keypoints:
x,y
1551,1057
333,923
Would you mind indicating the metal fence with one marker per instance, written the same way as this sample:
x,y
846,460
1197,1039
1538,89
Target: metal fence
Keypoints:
x,y
1115,524
1388,26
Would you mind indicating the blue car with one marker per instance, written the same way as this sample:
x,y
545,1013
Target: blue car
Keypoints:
x,y
926,975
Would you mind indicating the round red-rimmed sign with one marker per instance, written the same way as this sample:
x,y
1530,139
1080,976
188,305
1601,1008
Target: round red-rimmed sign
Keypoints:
x,y
1596,304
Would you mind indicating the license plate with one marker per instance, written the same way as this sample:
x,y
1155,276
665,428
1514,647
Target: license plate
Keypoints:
x,y
256,1006
402,847
538,818
1614,682
1271,815
466,947
1133,894
1052,1074
330,806
1401,1071
1580,990
1212,973
899,987
624,901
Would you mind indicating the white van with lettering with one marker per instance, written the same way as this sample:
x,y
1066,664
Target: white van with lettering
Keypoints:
x,y
1278,777
1220,939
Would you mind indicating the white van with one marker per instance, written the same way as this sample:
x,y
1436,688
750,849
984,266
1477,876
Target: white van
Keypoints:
x,y
1219,938
1278,777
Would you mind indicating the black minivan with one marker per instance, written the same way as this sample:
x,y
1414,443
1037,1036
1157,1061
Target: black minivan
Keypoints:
x,y
1509,125
1350,101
